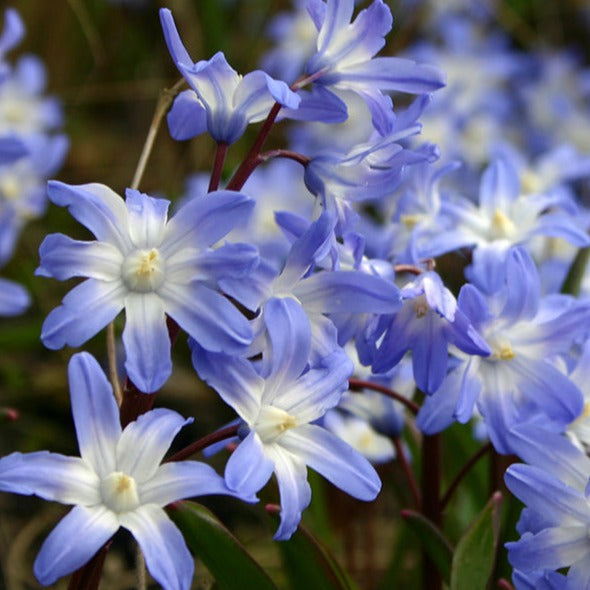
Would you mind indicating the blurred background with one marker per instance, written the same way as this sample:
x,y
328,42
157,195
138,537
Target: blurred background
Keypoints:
x,y
107,63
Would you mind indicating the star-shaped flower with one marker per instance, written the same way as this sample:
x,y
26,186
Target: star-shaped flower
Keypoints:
x,y
152,267
117,482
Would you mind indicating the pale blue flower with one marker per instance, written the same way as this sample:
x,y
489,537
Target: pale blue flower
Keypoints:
x,y
116,482
152,267
521,380
554,486
279,405
229,101
345,57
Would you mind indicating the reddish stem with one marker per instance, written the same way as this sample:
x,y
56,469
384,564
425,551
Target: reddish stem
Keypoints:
x,y
220,154
358,384
206,441
252,160
464,470
431,505
408,473
296,156
88,576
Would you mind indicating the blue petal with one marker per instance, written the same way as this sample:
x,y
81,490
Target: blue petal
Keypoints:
x,y
95,411
499,187
208,317
290,341
187,118
96,207
551,548
76,538
167,557
305,250
12,32
147,218
248,468
234,378
318,105
347,292
63,258
146,341
175,47
294,490
184,479
565,461
85,310
144,442
389,73
337,461
204,220
14,299
430,353
50,476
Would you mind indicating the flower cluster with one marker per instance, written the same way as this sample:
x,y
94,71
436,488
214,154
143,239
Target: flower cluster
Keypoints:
x,y
307,278
31,150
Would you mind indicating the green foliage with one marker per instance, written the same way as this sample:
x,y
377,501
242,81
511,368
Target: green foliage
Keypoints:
x,y
475,555
224,556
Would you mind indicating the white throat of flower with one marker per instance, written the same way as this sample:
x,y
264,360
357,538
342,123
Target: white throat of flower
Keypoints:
x,y
273,422
119,492
143,270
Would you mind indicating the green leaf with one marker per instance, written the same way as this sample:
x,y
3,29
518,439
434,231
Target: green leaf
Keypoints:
x,y
433,541
225,557
309,564
475,555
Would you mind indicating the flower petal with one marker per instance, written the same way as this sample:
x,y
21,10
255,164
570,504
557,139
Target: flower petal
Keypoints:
x,y
147,218
76,538
85,310
248,468
549,549
63,258
146,340
337,461
50,476
185,479
208,317
144,442
290,340
95,411
205,219
234,378
166,555
294,490
97,207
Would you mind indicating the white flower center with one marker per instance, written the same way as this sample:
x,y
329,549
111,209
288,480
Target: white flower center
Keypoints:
x,y
10,187
143,270
272,423
119,492
502,227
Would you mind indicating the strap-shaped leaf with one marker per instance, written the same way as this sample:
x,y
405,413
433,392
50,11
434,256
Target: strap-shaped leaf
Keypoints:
x,y
475,555
433,541
225,557
308,563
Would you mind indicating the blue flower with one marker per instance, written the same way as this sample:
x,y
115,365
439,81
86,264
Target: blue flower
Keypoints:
x,y
430,319
345,57
279,406
116,482
503,217
521,380
151,266
226,103
554,486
